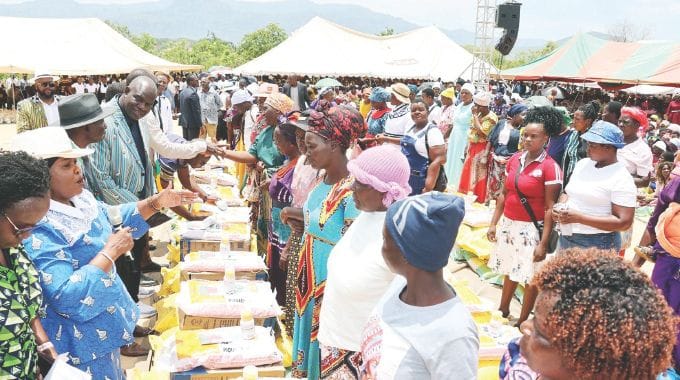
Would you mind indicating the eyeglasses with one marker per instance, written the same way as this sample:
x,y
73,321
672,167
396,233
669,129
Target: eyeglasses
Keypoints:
x,y
22,231
47,84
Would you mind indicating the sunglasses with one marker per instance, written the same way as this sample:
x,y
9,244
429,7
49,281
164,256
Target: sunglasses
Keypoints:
x,y
21,231
47,84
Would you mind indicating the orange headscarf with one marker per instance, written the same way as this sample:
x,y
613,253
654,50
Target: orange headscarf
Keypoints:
x,y
668,229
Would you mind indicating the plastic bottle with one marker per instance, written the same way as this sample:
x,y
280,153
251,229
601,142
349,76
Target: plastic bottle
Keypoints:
x,y
224,242
229,278
250,372
247,324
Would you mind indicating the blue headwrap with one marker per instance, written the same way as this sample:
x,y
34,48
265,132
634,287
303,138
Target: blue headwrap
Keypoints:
x,y
517,109
379,94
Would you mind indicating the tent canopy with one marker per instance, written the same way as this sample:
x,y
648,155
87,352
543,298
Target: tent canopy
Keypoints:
x,y
585,58
85,46
322,48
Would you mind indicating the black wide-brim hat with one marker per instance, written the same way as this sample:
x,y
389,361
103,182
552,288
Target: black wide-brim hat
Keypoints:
x,y
81,109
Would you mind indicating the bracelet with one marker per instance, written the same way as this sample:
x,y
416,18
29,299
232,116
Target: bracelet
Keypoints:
x,y
45,346
113,263
153,204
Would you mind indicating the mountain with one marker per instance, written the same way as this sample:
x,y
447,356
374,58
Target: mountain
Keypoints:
x,y
228,20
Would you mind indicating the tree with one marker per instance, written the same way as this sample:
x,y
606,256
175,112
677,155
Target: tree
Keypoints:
x,y
521,58
626,31
146,42
261,41
387,32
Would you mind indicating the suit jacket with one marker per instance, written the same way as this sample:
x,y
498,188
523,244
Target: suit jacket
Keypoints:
x,y
31,114
117,174
303,96
190,107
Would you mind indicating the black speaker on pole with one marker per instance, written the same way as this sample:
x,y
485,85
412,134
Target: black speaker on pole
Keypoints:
x,y
507,17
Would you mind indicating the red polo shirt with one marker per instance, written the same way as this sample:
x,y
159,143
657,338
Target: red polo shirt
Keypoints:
x,y
532,181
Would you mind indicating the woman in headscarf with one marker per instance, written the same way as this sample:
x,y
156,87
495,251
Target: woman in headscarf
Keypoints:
x,y
576,149
475,169
504,142
266,159
446,119
378,115
87,309
25,189
281,195
305,178
458,140
635,155
328,211
357,273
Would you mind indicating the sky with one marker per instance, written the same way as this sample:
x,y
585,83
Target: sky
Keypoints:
x,y
542,19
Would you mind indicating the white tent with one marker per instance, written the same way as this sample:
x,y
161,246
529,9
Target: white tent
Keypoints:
x,y
322,48
85,46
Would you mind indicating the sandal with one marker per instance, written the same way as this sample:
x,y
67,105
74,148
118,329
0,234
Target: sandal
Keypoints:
x,y
646,253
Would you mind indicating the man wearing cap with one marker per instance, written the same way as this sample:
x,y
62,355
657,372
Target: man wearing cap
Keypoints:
x,y
298,92
190,109
41,109
410,334
399,118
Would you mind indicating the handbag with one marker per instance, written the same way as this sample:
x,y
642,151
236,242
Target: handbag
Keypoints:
x,y
442,180
554,236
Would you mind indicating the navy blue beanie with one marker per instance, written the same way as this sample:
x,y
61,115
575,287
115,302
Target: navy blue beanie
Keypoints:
x,y
425,227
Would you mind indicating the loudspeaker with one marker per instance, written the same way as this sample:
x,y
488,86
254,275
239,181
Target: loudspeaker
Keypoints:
x,y
507,41
507,17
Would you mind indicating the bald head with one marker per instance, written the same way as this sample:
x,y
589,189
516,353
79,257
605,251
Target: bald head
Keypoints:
x,y
141,72
139,97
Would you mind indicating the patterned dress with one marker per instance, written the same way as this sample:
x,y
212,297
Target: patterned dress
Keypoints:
x,y
328,212
279,232
20,299
87,312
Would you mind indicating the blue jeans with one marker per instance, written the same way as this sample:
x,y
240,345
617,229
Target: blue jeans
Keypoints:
x,y
606,241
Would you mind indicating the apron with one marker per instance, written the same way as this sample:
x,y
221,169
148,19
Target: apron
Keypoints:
x,y
417,163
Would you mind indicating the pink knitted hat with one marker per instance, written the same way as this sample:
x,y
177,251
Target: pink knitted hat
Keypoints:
x,y
385,169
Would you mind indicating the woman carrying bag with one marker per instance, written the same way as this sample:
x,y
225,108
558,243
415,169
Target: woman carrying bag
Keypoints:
x,y
532,186
424,147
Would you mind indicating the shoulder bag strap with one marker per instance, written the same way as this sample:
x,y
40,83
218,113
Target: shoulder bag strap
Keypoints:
x,y
523,199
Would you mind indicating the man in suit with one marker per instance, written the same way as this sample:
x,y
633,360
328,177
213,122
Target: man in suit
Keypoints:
x,y
41,109
190,109
298,92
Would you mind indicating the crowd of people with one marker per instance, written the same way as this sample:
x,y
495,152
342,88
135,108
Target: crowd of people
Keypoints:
x,y
347,192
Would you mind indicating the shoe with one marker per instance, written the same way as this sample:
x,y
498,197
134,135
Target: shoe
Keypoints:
x,y
150,268
147,281
134,350
147,291
146,311
141,332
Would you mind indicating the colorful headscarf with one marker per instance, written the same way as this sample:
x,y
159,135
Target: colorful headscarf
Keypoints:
x,y
517,109
280,102
379,94
341,124
637,115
